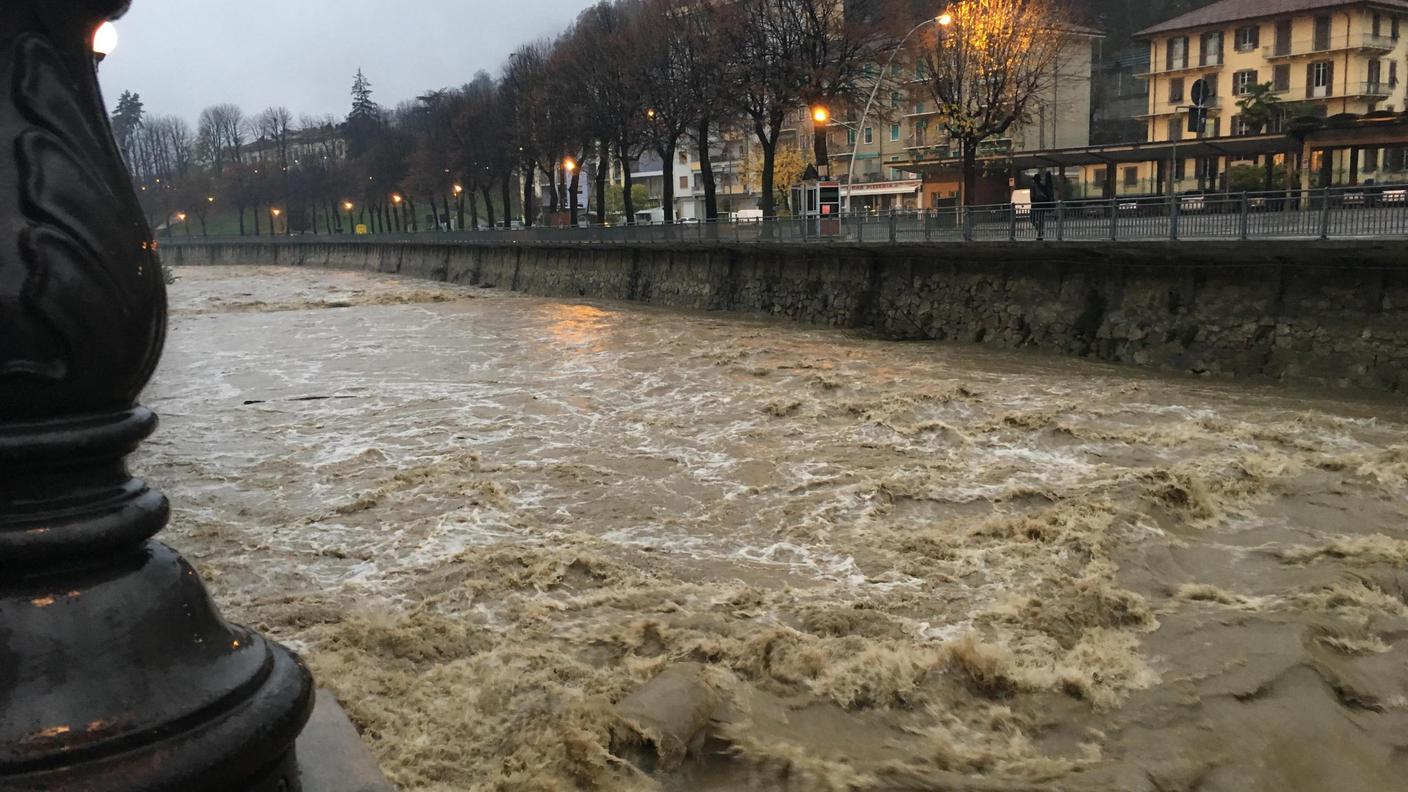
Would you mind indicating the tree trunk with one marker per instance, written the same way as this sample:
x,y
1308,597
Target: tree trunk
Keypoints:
x,y
970,172
488,206
769,200
203,232
257,232
241,208
529,171
572,194
507,189
459,207
628,200
667,186
555,204
706,173
603,164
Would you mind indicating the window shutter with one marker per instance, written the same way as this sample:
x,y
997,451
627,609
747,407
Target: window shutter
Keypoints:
x,y
1309,80
1256,36
1329,78
1393,74
1168,55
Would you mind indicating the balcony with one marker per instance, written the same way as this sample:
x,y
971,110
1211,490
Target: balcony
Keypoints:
x,y
1306,48
1379,90
1185,66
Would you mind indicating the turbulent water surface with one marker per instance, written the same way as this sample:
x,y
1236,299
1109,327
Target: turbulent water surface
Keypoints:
x,y
487,519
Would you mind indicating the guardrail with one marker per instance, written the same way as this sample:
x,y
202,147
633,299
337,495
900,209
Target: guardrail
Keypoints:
x,y
1366,212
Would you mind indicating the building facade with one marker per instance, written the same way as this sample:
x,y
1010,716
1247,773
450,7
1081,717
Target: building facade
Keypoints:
x,y
1319,58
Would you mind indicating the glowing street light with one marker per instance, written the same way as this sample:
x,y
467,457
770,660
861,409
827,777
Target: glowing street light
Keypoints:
x,y
104,40
181,216
569,164
945,19
820,114
650,114
210,199
396,198
278,212
457,189
347,205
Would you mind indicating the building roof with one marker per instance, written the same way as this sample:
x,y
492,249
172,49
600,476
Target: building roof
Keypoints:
x,y
1236,10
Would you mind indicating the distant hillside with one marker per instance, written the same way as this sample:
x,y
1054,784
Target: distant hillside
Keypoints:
x,y
1120,19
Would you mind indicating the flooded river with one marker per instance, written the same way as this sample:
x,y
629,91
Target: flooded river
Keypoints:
x,y
486,519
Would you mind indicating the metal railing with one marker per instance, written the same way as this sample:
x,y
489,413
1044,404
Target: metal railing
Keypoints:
x,y
1346,213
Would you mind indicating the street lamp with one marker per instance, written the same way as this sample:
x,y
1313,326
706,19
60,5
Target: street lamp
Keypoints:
x,y
944,19
351,219
274,213
820,115
104,40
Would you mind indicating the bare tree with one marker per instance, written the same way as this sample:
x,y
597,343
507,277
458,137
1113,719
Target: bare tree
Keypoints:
x,y
989,68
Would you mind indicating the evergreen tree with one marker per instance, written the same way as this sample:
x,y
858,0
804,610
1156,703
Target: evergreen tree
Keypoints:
x,y
127,118
364,122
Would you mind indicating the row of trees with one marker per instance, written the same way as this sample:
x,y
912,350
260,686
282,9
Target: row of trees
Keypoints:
x,y
628,77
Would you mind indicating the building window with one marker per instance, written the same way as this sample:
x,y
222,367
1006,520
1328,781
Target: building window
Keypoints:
x,y
1323,28
1177,55
1175,128
894,132
1376,76
1283,37
1211,49
1377,25
1320,77
918,108
869,135
895,100
1248,38
1131,177
1175,90
1097,175
684,158
1243,82
850,137
1281,78
1240,126
684,182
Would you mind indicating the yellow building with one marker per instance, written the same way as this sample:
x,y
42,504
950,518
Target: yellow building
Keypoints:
x,y
1320,57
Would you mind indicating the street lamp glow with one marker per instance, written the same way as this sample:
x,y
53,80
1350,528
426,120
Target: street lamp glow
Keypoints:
x,y
347,205
181,216
105,39
820,114
945,19
650,113
458,189
396,199
210,199
277,212
569,165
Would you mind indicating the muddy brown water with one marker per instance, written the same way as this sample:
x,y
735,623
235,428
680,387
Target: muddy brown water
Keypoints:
x,y
485,519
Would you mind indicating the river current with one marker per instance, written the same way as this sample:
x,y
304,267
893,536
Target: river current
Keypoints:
x,y
486,519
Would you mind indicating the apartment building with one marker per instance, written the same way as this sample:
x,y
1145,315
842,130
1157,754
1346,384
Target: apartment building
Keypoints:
x,y
1321,58
904,135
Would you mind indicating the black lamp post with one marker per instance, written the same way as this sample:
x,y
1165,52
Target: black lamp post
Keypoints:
x,y
116,672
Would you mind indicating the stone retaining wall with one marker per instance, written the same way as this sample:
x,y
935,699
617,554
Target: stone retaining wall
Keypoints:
x,y
1328,313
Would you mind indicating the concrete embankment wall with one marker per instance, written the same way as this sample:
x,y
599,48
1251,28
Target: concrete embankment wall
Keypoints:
x,y
1328,313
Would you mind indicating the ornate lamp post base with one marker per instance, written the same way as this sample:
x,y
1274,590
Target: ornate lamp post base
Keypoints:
x,y
117,673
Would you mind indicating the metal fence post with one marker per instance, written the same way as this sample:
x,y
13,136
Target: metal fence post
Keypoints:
x,y
928,226
1060,221
1174,206
1114,219
1246,222
1325,214
1012,223
893,230
966,217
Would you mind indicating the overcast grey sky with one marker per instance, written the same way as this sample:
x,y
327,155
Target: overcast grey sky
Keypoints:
x,y
182,55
